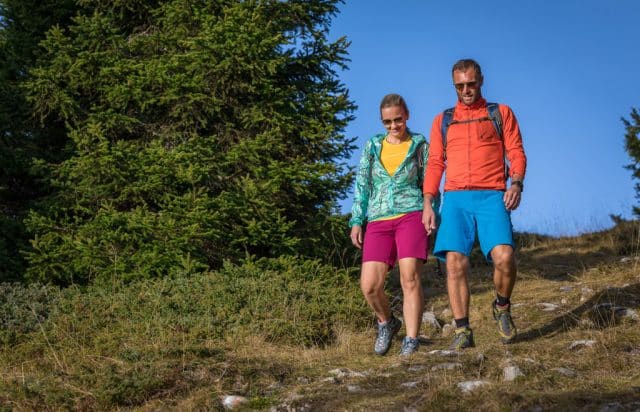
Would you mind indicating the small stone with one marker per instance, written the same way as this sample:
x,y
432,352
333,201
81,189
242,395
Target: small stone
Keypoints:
x,y
233,401
548,307
566,288
416,368
293,397
564,301
354,388
625,260
511,373
449,366
303,380
612,407
429,318
331,379
470,386
446,313
578,344
566,372
481,357
444,353
338,373
629,313
447,330
586,290
413,384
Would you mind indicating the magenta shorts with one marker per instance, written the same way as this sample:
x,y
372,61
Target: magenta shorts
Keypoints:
x,y
390,240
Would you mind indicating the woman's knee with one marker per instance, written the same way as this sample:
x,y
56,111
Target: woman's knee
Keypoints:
x,y
370,288
372,278
410,280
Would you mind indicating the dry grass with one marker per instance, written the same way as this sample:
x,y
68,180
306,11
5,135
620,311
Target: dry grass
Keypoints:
x,y
575,274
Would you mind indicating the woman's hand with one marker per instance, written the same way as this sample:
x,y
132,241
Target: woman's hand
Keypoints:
x,y
356,236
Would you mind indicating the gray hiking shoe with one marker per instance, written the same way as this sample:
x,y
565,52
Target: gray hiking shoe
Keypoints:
x,y
506,327
386,333
463,338
409,346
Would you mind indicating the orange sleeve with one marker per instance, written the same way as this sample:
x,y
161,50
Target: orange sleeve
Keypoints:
x,y
513,142
435,160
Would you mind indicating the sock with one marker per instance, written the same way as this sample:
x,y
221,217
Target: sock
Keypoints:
x,y
386,321
462,322
502,301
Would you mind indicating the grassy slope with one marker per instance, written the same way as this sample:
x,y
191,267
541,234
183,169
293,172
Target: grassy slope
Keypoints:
x,y
142,360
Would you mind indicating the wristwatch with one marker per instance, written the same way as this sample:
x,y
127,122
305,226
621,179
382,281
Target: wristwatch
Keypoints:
x,y
519,184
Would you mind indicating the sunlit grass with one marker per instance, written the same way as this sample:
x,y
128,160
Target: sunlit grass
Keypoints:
x,y
159,345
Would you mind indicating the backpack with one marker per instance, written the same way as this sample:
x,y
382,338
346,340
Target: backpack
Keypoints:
x,y
494,116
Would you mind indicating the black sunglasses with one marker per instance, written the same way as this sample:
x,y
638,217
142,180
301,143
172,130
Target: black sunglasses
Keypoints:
x,y
471,85
397,120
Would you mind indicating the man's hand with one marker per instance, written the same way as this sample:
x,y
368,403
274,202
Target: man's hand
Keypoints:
x,y
512,197
356,236
428,218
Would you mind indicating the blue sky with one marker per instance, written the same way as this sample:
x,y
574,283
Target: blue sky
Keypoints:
x,y
569,69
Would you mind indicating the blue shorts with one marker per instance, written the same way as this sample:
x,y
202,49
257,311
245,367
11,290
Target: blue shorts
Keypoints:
x,y
464,212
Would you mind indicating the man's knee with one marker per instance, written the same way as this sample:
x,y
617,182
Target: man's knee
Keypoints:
x,y
503,257
457,265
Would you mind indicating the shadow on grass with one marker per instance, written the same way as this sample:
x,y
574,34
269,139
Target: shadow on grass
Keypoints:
x,y
586,401
626,297
561,265
566,257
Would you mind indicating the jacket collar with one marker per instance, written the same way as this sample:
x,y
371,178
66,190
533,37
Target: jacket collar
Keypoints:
x,y
478,104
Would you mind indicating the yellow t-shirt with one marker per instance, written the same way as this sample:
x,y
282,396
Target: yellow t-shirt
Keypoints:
x,y
391,156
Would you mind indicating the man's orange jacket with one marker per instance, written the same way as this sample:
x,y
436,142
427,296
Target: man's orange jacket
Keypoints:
x,y
475,152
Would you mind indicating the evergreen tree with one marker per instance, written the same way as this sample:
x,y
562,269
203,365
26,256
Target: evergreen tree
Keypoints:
x,y
23,24
201,130
632,146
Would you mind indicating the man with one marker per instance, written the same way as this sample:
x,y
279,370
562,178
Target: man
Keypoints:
x,y
476,197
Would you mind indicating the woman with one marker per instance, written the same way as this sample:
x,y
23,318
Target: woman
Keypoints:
x,y
388,194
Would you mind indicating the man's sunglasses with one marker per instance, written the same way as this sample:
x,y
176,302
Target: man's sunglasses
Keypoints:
x,y
471,85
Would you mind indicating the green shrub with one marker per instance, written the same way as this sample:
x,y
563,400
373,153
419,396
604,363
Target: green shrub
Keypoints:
x,y
22,308
626,237
289,299
226,141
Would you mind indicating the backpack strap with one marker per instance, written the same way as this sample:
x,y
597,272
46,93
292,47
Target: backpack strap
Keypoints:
x,y
493,110
447,118
496,117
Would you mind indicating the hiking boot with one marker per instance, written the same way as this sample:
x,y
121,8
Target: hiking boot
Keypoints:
x,y
506,327
385,335
463,338
409,346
